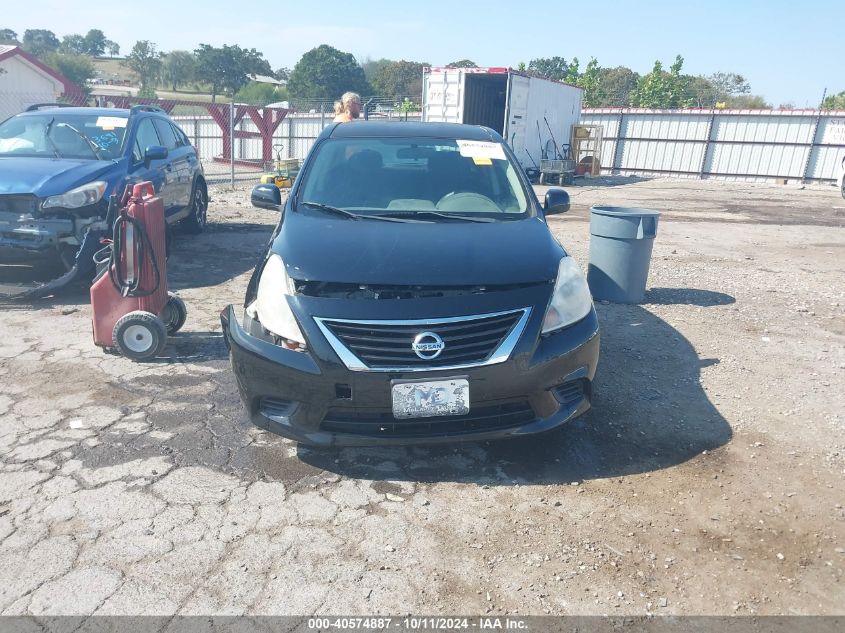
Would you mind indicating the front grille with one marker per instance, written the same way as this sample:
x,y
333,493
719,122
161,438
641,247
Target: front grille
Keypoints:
x,y
383,424
18,205
387,344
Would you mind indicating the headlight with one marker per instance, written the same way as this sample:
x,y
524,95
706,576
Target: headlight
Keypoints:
x,y
571,299
271,304
79,197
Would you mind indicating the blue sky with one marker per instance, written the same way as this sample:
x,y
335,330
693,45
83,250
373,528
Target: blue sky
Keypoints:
x,y
789,51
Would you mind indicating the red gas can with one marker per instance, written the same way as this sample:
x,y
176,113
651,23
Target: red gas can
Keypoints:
x,y
132,309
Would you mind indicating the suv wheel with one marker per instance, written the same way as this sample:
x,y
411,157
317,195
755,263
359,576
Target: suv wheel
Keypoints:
x,y
195,222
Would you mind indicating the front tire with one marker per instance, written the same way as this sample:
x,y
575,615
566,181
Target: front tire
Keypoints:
x,y
140,335
197,218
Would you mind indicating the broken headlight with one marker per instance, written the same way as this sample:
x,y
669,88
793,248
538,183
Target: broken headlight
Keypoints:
x,y
83,196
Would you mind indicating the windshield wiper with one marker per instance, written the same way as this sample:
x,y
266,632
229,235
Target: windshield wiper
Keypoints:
x,y
437,214
330,209
350,215
91,144
52,142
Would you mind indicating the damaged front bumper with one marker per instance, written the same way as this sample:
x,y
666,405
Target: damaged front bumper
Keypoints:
x,y
71,235
24,226
28,233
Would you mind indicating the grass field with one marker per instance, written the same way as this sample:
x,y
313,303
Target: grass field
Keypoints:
x,y
116,69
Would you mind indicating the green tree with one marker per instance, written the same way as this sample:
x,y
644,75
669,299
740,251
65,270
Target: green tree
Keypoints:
x,y
373,66
74,44
554,68
616,86
256,93
719,87
406,105
78,68
703,92
178,68
113,48
834,102
39,42
662,89
145,60
590,81
282,74
572,72
729,84
399,79
95,42
8,36
325,72
748,102
227,68
462,63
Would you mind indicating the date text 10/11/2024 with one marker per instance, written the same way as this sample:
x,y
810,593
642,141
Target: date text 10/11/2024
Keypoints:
x,y
380,623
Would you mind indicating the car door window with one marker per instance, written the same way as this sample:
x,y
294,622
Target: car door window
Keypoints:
x,y
181,137
166,134
144,138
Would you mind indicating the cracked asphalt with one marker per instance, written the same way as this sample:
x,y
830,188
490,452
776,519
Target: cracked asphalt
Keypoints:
x,y
706,480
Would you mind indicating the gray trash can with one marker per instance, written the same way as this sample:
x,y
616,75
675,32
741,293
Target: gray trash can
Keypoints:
x,y
620,252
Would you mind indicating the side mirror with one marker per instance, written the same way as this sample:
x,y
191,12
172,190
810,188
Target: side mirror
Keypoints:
x,y
266,197
154,152
557,201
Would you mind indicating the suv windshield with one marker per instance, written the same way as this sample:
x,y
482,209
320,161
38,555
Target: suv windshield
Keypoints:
x,y
414,175
53,133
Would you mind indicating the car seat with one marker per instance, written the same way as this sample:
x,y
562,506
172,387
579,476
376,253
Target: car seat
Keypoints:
x,y
447,170
359,181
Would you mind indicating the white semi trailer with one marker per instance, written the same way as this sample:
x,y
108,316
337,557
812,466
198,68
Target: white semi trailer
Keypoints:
x,y
516,105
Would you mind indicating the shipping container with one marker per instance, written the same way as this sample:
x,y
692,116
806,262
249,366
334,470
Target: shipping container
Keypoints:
x,y
527,111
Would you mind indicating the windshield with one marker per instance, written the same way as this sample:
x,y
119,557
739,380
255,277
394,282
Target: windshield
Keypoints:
x,y
411,176
56,134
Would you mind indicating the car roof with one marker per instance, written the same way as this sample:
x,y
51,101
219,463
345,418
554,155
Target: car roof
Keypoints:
x,y
118,112
369,129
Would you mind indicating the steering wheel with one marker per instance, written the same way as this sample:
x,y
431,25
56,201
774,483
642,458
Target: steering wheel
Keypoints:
x,y
466,201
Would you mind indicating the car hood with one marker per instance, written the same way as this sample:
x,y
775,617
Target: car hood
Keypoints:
x,y
47,176
316,248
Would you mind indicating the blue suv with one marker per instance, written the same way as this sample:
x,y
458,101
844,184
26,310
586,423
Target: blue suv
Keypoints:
x,y
59,165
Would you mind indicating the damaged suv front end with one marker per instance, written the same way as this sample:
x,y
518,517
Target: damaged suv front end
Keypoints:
x,y
44,223
413,293
57,167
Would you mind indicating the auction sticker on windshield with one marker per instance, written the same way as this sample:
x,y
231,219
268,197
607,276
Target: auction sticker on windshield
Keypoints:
x,y
111,122
481,149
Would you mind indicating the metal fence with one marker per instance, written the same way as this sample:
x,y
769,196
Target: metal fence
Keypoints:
x,y
781,145
293,138
764,145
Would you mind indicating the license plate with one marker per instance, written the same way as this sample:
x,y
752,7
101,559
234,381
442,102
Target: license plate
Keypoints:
x,y
431,398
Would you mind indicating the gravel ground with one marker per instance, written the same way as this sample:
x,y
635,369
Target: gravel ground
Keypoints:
x,y
706,480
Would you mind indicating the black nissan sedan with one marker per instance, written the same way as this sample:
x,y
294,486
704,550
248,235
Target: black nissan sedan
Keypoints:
x,y
413,293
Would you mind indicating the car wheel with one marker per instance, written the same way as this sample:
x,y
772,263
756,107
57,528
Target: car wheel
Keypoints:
x,y
174,314
195,222
140,335
842,189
